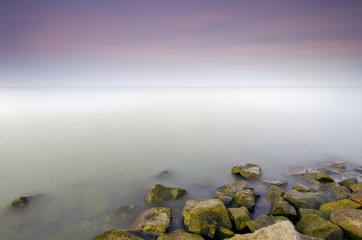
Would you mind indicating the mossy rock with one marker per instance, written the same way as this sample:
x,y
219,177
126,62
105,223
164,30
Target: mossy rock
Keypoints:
x,y
274,192
227,193
301,188
203,216
21,202
179,235
239,217
160,194
357,196
275,182
348,182
305,199
154,220
340,204
281,207
115,234
333,190
316,226
248,171
350,220
321,213
261,222
356,186
309,173
223,233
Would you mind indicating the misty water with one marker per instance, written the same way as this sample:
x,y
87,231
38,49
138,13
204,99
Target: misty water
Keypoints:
x,y
89,151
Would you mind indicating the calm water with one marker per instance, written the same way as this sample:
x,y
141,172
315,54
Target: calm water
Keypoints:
x,y
89,151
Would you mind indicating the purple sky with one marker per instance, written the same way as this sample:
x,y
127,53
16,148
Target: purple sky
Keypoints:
x,y
180,43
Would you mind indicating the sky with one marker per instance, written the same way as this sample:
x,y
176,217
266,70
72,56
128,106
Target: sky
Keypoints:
x,y
115,43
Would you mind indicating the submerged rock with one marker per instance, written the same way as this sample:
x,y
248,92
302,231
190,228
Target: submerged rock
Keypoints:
x,y
239,217
341,165
305,199
310,173
248,171
274,192
154,220
160,194
348,182
301,188
340,204
350,220
204,216
321,213
123,216
275,182
280,207
115,234
21,202
357,196
316,226
179,235
237,195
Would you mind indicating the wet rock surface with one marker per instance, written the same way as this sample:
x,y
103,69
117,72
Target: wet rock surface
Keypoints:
x,y
350,220
274,192
115,234
305,199
21,202
239,217
357,196
154,221
248,171
160,194
281,207
340,204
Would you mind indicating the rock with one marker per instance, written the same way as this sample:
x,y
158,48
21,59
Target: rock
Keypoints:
x,y
248,171
114,234
163,174
279,231
261,222
236,195
154,220
340,204
359,170
275,182
274,192
122,216
160,194
356,186
239,217
357,196
305,199
310,173
301,188
321,213
350,220
306,237
180,235
316,226
223,233
348,182
341,165
280,207
203,216
21,202
333,190
96,201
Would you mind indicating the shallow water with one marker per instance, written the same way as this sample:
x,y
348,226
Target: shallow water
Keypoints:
x,y
89,151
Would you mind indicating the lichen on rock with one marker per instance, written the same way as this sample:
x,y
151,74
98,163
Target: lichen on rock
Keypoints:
x,y
248,171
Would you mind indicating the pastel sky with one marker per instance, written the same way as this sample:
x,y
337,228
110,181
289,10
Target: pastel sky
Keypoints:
x,y
94,43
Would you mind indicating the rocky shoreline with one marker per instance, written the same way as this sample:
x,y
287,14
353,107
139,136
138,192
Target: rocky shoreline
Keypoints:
x,y
316,207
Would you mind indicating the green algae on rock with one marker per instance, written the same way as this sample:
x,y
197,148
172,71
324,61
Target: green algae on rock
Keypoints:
x,y
340,204
203,216
301,188
239,217
356,186
248,171
281,207
115,234
21,202
357,196
275,182
160,194
154,220
179,235
350,220
223,233
348,182
274,192
305,199
316,226
321,213
261,222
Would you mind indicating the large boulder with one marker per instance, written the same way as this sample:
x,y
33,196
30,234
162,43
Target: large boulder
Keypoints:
x,y
321,213
357,196
248,171
305,199
179,235
237,195
348,182
316,226
340,204
274,192
204,216
160,194
280,207
154,221
115,234
350,220
239,217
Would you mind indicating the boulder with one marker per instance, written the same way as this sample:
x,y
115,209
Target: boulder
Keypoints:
x,y
279,231
122,216
179,235
160,194
301,188
203,216
275,182
357,196
274,192
310,173
359,170
154,221
321,213
341,165
21,202
237,195
239,217
356,186
305,199
340,204
248,171
333,190
350,220
348,182
223,233
115,234
280,207
261,222
316,226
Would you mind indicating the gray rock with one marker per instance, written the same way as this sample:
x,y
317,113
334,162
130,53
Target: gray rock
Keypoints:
x,y
301,188
239,217
160,194
321,213
154,221
248,171
278,183
261,222
274,192
305,199
348,182
280,207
